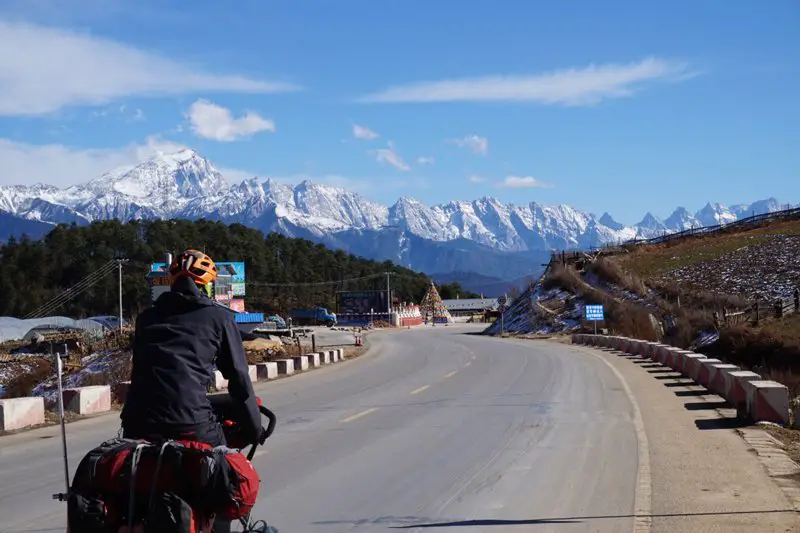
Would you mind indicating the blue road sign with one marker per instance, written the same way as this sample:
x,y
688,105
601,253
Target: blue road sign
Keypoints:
x,y
593,312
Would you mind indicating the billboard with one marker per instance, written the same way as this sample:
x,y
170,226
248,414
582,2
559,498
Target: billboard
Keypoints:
x,y
361,302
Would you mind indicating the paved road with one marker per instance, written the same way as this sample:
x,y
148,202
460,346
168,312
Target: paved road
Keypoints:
x,y
435,428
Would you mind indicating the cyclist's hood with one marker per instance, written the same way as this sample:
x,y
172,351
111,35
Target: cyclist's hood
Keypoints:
x,y
184,294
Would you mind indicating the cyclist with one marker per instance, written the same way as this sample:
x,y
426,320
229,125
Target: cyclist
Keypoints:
x,y
176,345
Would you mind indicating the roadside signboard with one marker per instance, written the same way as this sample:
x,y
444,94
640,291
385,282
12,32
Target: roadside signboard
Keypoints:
x,y
501,303
594,313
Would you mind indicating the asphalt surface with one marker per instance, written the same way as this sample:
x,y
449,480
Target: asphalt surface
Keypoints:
x,y
433,429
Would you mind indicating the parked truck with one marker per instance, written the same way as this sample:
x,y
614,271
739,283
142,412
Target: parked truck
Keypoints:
x,y
316,316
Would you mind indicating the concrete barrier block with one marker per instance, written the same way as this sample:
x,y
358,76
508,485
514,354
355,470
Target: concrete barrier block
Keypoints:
x,y
19,413
88,400
300,362
334,356
672,357
680,360
655,347
660,353
704,373
285,366
648,350
266,371
324,358
341,353
717,377
121,391
313,360
767,401
253,373
625,345
692,364
735,389
641,348
220,382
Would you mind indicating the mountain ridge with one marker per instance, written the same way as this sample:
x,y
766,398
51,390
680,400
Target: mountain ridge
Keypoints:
x,y
504,241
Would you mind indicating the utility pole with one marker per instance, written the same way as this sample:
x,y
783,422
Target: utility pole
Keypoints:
x,y
120,262
388,293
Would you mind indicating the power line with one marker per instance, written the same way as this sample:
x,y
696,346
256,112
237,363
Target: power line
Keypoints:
x,y
74,291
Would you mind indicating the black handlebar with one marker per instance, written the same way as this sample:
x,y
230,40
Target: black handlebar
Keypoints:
x,y
273,420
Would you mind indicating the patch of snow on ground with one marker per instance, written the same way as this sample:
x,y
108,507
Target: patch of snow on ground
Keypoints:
x,y
94,364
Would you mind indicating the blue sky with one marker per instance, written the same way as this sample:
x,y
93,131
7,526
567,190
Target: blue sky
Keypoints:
x,y
618,106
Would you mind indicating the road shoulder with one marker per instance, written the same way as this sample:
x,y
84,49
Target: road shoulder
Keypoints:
x,y
705,476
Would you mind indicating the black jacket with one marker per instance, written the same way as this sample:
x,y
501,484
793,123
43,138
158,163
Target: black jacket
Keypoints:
x,y
176,344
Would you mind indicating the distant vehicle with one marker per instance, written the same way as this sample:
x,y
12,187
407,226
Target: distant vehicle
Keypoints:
x,y
318,315
277,320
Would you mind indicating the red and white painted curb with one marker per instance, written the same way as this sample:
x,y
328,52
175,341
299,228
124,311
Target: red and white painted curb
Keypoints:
x,y
758,399
21,413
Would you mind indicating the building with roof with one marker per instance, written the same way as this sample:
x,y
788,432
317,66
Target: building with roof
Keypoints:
x,y
471,306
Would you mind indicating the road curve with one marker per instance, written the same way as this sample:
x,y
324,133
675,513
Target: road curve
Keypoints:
x,y
435,428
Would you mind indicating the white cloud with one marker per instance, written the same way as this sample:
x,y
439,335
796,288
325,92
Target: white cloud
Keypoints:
x,y
476,143
523,182
362,132
425,160
57,68
390,157
211,121
571,87
63,165
138,115
476,179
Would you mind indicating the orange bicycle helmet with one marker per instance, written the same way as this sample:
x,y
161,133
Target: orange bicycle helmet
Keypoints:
x,y
194,264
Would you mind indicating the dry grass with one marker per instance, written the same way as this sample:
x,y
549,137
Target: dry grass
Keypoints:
x,y
651,261
673,292
610,271
773,349
622,318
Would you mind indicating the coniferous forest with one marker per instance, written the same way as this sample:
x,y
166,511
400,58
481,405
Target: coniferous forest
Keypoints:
x,y
281,272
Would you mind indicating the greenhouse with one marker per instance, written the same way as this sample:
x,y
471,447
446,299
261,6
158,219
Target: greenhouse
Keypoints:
x,y
15,329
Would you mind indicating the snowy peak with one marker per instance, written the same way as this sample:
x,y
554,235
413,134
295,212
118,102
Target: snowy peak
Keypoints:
x,y
681,220
609,222
650,221
180,176
185,184
714,214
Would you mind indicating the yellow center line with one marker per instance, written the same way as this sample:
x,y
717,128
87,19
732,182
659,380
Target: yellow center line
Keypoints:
x,y
451,374
416,391
358,415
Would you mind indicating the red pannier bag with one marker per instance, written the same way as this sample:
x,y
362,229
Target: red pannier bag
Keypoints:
x,y
176,474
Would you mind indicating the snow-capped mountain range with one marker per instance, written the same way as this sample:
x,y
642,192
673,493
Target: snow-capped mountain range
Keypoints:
x,y
439,238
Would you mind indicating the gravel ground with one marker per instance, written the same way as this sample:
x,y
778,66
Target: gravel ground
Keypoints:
x,y
767,270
